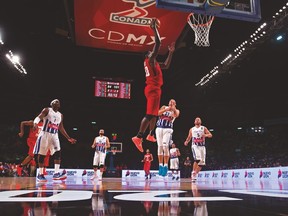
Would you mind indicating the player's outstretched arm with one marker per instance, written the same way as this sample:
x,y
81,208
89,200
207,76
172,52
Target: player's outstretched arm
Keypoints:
x,y
166,64
64,133
155,24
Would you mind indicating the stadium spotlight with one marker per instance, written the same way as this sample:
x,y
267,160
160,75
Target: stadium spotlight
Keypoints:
x,y
279,37
15,60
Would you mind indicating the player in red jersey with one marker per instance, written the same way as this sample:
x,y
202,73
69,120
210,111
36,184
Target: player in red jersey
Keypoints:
x,y
154,82
31,140
148,158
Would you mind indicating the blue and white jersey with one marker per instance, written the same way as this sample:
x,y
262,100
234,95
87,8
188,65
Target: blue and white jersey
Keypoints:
x,y
166,120
100,143
52,121
197,136
173,153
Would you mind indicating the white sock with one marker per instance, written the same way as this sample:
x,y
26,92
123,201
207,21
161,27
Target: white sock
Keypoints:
x,y
56,168
41,170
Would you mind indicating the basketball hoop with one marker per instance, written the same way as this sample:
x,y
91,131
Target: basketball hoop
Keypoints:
x,y
201,24
113,151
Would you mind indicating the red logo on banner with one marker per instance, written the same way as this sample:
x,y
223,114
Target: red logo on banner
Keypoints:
x,y
124,24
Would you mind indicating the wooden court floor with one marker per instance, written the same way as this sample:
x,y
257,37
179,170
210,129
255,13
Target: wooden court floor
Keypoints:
x,y
125,196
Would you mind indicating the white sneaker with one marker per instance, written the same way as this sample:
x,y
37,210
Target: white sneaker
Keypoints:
x,y
194,176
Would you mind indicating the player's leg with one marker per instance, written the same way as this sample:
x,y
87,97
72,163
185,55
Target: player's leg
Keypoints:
x,y
46,161
32,165
177,168
102,163
145,168
30,156
40,149
96,161
167,134
172,167
202,159
159,135
196,151
153,104
150,137
148,170
55,150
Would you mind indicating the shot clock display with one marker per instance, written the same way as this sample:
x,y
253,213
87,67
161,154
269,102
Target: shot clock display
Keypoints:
x,y
112,89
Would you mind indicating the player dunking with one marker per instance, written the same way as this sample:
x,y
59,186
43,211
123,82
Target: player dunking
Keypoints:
x,y
154,81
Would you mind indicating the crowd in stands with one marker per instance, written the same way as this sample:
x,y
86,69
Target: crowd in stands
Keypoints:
x,y
248,148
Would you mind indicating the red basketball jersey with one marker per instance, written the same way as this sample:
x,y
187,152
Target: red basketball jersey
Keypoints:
x,y
153,74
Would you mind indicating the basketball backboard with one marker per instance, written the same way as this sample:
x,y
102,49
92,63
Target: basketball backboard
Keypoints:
x,y
115,146
246,10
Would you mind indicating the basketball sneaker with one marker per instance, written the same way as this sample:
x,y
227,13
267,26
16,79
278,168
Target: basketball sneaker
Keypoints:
x,y
151,138
165,170
58,176
138,143
41,178
160,172
194,176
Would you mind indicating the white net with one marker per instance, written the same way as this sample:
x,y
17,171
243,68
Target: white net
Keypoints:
x,y
201,24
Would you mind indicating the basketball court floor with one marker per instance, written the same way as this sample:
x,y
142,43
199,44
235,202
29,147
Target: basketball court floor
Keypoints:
x,y
125,196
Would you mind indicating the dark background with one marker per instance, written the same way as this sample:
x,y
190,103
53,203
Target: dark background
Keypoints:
x,y
251,92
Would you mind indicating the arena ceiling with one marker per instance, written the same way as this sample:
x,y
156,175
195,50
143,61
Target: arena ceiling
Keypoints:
x,y
48,35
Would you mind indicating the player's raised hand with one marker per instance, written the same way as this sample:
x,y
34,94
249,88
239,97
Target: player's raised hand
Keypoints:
x,y
155,23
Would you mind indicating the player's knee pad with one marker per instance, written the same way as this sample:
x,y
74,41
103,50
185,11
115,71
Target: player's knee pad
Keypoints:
x,y
149,117
166,150
160,150
57,155
41,159
95,167
101,166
